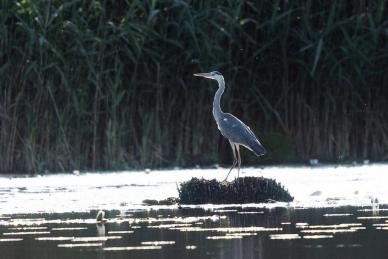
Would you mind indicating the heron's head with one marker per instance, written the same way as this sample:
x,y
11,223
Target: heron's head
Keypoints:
x,y
215,75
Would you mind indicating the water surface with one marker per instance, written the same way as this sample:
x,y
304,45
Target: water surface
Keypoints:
x,y
341,232
338,212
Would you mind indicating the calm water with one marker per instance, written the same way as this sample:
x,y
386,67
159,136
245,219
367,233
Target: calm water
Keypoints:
x,y
342,232
333,216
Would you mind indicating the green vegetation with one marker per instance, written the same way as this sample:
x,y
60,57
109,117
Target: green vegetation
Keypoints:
x,y
241,190
108,84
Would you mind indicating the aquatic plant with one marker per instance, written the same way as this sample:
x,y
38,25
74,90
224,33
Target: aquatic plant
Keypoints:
x,y
241,190
167,201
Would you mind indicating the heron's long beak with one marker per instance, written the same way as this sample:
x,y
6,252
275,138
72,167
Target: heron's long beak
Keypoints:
x,y
206,75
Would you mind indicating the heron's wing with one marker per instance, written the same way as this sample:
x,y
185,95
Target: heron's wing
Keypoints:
x,y
235,130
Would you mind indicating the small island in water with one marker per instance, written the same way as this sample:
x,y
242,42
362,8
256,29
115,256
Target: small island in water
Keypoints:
x,y
240,190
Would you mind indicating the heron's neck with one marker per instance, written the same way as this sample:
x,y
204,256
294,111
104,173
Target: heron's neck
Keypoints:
x,y
217,112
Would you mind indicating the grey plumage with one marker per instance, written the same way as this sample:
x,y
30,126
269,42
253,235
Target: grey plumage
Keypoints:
x,y
236,131
231,127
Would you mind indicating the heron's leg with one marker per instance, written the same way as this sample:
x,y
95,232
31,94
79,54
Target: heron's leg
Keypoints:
x,y
239,160
234,158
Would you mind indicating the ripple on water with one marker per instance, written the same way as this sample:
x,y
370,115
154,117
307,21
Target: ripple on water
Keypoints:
x,y
284,236
158,243
10,239
120,232
228,229
243,234
170,226
317,236
250,212
80,245
224,237
25,233
333,231
373,217
27,228
341,225
54,238
128,248
337,214
94,239
69,229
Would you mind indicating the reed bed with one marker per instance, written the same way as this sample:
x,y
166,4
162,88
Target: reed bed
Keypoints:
x,y
108,84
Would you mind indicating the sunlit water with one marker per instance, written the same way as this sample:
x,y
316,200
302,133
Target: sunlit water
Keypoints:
x,y
334,214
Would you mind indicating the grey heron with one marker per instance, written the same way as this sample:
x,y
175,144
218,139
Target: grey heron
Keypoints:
x,y
231,127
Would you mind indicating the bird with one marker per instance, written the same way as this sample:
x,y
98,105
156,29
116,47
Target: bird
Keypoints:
x,y
100,218
231,127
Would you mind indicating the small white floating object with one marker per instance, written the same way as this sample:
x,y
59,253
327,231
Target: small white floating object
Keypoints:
x,y
192,247
284,236
76,172
147,170
100,218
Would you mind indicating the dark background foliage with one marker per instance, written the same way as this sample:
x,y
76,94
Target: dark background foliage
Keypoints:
x,y
108,84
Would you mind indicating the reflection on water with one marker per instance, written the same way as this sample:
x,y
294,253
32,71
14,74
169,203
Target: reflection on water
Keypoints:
x,y
318,224
327,186
341,232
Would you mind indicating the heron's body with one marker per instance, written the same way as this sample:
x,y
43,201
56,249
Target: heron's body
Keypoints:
x,y
230,126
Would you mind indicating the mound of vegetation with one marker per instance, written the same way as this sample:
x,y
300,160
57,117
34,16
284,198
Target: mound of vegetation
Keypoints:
x,y
241,190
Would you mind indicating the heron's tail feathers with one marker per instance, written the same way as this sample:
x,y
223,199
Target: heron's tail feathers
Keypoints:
x,y
257,148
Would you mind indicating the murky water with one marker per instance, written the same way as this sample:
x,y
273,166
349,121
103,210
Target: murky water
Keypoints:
x,y
332,216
